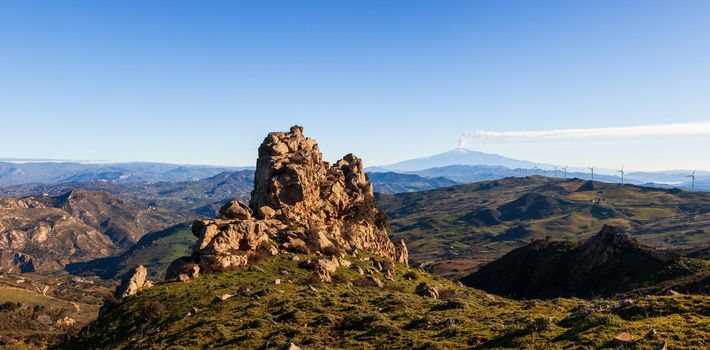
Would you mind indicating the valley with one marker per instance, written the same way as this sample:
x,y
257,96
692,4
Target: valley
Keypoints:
x,y
453,230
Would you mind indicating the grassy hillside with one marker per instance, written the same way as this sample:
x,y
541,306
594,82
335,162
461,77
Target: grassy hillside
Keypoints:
x,y
155,251
353,314
454,229
31,319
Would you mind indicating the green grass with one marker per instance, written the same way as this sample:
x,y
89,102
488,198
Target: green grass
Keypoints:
x,y
155,251
31,322
346,315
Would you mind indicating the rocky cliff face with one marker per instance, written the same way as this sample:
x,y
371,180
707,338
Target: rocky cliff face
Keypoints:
x,y
124,221
45,233
299,203
34,237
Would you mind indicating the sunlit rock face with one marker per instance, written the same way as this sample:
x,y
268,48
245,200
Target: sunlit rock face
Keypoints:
x,y
299,203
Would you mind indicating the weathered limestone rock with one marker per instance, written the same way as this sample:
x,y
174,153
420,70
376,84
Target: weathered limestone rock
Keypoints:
x,y
301,204
324,204
402,254
220,298
375,281
426,290
235,210
322,268
136,283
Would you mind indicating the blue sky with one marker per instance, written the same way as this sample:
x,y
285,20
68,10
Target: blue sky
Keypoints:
x,y
203,82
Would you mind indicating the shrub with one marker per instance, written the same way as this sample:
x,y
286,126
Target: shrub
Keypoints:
x,y
411,275
150,310
9,306
446,294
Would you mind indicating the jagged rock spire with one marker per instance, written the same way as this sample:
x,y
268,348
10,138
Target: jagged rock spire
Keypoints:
x,y
300,203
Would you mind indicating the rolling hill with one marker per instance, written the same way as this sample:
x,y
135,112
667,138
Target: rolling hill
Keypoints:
x,y
155,251
452,230
278,303
45,233
606,264
390,182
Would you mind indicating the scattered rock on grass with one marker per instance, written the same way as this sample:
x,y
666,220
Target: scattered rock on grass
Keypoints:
x,y
290,346
426,290
623,338
376,281
134,284
221,298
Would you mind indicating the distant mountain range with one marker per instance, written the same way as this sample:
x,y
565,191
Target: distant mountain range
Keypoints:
x,y
467,166
457,166
24,172
201,197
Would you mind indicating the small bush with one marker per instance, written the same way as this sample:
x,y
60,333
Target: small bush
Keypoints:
x,y
151,310
9,306
446,294
449,305
411,275
362,322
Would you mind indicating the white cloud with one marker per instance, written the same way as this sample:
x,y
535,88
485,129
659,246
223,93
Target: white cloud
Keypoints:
x,y
676,129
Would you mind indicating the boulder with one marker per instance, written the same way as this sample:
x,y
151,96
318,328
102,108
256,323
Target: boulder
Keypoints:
x,y
235,210
426,290
182,266
322,268
375,281
402,254
220,298
134,284
623,338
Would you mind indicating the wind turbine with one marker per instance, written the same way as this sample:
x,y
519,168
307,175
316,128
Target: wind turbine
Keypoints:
x,y
565,169
692,179
591,168
622,174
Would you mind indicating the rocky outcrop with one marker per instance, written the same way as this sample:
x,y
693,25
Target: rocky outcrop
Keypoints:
x,y
48,237
15,262
402,253
134,284
75,227
299,203
608,263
